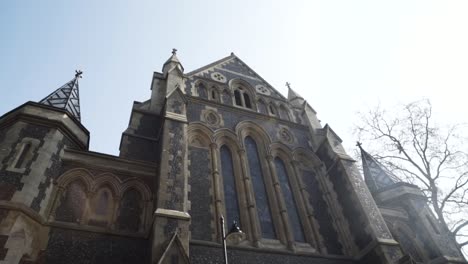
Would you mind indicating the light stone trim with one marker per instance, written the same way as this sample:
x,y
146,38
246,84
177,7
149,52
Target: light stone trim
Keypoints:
x,y
172,214
176,117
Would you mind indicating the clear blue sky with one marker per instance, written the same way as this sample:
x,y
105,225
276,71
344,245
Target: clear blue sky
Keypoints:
x,y
342,56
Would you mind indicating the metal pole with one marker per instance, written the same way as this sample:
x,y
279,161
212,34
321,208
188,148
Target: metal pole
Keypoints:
x,y
223,239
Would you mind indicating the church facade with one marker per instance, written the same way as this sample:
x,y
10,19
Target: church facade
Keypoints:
x,y
215,142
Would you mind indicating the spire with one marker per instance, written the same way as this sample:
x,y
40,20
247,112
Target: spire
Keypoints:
x,y
66,97
375,174
292,94
172,62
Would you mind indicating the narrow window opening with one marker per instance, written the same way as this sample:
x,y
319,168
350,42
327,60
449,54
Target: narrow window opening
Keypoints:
x,y
272,110
247,101
19,164
237,96
213,95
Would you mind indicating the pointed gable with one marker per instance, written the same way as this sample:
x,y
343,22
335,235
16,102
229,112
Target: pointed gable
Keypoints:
x,y
66,97
232,67
376,175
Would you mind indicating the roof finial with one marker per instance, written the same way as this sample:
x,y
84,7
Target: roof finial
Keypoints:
x,y
78,74
288,85
174,51
359,144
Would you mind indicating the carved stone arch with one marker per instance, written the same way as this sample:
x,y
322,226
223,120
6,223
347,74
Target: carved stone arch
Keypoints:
x,y
139,186
108,179
82,174
303,155
226,136
281,151
199,135
241,82
258,133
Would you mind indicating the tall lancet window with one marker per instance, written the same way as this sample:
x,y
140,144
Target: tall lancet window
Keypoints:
x,y
291,206
261,199
229,184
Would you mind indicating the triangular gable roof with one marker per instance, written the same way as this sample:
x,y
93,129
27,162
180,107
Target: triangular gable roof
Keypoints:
x,y
175,241
66,97
219,63
293,94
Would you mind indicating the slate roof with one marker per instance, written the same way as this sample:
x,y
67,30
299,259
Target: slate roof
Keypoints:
x,y
66,97
376,175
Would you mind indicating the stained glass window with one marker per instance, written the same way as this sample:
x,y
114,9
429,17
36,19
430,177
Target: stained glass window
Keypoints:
x,y
291,206
229,184
261,199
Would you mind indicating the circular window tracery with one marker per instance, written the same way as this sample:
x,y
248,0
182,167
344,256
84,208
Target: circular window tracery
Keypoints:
x,y
212,118
218,77
286,136
262,89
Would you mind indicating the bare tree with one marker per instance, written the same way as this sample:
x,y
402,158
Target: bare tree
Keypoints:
x,y
412,145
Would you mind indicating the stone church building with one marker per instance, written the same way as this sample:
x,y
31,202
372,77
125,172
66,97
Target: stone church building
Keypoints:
x,y
217,141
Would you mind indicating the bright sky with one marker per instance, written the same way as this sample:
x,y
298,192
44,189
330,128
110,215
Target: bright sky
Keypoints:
x,y
342,56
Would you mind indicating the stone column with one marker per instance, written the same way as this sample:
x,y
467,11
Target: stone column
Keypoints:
x,y
218,197
282,207
255,226
311,231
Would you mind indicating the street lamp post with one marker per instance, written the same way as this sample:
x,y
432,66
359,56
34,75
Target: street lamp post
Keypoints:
x,y
235,231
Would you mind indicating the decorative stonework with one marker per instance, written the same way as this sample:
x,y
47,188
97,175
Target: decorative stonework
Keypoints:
x,y
218,77
285,135
211,117
262,89
377,222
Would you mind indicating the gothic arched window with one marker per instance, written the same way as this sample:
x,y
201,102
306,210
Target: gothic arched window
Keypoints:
x,y
242,98
72,203
202,93
229,185
261,199
130,211
291,206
